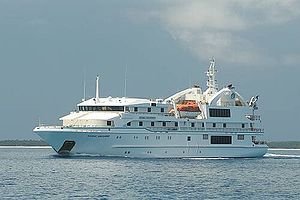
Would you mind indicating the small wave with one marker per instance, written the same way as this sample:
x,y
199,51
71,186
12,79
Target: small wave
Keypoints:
x,y
207,158
273,155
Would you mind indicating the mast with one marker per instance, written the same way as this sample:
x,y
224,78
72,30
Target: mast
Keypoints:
x,y
125,82
97,88
84,85
212,81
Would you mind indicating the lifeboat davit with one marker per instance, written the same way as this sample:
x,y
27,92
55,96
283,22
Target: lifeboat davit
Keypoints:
x,y
188,106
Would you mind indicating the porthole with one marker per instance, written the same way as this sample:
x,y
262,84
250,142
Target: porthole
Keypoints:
x,y
188,138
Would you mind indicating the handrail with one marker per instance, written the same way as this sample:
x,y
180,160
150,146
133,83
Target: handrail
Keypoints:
x,y
164,128
258,130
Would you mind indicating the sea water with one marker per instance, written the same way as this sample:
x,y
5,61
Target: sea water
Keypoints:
x,y
38,173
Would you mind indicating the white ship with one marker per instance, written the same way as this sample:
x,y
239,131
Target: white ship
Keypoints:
x,y
189,124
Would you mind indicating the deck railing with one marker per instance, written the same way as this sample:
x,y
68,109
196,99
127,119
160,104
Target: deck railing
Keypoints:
x,y
166,129
226,130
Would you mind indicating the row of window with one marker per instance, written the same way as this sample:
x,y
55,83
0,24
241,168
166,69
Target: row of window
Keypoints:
x,y
149,109
156,137
113,108
102,108
149,152
176,124
213,139
213,112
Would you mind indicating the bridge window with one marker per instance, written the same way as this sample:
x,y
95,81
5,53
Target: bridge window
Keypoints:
x,y
135,109
214,112
164,123
221,140
162,110
108,123
202,125
176,124
101,108
214,125
149,109
243,125
152,123
192,124
140,123
129,124
224,125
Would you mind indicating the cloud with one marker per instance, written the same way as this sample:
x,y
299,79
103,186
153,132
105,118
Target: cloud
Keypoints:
x,y
222,45
271,11
199,15
217,28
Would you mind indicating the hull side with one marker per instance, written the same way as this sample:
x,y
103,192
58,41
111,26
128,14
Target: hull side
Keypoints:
x,y
107,143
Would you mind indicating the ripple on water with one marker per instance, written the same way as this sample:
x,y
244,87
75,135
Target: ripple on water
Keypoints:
x,y
39,174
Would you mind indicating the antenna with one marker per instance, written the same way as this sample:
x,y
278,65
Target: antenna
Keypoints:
x,y
125,82
84,85
97,88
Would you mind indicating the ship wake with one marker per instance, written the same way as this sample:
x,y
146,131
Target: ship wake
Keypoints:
x,y
281,156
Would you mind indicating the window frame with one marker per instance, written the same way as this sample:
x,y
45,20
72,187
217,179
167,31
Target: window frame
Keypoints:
x,y
240,137
218,139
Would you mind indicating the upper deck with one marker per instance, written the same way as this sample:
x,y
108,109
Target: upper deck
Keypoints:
x,y
212,106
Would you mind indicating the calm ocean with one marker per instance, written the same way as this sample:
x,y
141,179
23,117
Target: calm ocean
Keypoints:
x,y
37,173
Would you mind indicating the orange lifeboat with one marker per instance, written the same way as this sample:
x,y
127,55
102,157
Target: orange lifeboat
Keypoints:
x,y
188,106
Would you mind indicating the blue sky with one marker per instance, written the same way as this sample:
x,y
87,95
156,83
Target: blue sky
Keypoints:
x,y
46,46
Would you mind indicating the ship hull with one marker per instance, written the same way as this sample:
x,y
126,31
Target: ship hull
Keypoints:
x,y
140,143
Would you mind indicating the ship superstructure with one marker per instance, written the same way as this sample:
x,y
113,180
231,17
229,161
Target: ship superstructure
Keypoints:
x,y
190,123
